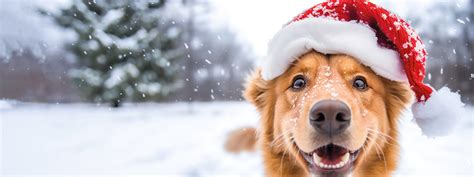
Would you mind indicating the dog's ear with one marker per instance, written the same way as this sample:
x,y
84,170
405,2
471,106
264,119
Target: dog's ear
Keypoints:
x,y
255,90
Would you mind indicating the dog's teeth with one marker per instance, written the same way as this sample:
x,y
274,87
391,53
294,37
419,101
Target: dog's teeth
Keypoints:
x,y
345,158
317,161
316,158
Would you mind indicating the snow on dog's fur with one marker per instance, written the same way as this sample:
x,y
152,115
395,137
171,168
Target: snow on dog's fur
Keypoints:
x,y
289,141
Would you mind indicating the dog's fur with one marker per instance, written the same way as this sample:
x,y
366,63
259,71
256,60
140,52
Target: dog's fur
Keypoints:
x,y
284,129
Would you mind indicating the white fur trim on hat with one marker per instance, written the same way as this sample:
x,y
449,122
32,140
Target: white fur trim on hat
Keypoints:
x,y
330,36
438,116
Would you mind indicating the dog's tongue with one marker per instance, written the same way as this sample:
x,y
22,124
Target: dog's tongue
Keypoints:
x,y
331,154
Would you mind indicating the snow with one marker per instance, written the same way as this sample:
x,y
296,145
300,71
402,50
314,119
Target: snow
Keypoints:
x,y
178,139
6,104
120,73
460,21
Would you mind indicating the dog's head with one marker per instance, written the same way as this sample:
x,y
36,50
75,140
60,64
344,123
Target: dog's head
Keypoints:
x,y
329,113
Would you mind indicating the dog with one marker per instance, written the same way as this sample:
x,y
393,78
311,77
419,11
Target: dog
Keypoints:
x,y
326,115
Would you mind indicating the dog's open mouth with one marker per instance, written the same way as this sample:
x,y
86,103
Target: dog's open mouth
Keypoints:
x,y
330,158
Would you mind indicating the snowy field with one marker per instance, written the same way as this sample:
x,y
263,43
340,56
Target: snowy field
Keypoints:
x,y
176,139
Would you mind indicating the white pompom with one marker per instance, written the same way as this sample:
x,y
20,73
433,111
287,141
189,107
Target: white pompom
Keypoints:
x,y
438,116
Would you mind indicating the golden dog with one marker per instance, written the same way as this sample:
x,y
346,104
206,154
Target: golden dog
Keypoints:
x,y
327,115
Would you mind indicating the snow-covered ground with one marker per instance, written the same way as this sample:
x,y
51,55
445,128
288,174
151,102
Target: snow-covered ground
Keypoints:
x,y
176,139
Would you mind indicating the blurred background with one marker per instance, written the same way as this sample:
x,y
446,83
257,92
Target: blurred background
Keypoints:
x,y
62,51
65,64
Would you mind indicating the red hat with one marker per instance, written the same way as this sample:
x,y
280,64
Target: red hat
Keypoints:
x,y
378,39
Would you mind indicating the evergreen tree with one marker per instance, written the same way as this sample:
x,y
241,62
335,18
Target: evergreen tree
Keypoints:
x,y
125,49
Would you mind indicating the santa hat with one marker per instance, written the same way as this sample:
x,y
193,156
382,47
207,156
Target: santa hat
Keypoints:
x,y
378,39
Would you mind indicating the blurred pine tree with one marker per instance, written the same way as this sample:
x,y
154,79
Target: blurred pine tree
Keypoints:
x,y
125,49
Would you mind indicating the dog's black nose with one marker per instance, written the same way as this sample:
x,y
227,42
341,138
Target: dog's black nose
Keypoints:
x,y
330,117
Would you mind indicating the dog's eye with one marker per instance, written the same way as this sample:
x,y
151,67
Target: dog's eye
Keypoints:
x,y
298,83
360,83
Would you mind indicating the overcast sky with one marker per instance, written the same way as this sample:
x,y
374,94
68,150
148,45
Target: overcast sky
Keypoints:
x,y
258,21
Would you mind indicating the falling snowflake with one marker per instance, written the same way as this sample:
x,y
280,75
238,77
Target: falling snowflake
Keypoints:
x,y
461,21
